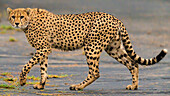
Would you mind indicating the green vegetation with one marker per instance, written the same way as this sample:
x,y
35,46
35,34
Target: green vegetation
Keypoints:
x,y
13,82
12,39
9,79
7,86
33,78
32,83
3,32
58,76
5,74
6,27
18,30
61,91
45,94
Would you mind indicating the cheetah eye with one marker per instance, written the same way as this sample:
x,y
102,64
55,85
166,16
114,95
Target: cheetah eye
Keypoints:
x,y
22,17
13,17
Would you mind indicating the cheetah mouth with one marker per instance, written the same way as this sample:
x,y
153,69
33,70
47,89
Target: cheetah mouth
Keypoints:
x,y
25,26
19,27
16,27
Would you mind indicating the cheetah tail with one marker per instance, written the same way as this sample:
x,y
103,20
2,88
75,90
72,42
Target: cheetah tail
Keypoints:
x,y
129,49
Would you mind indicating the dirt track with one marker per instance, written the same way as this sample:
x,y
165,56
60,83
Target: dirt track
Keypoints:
x,y
147,23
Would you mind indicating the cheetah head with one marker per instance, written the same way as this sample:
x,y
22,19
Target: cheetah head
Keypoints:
x,y
19,18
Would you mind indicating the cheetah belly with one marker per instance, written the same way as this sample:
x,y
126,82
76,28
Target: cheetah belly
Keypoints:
x,y
67,42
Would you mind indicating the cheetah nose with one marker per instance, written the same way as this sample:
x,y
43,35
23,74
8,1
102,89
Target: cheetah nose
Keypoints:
x,y
17,24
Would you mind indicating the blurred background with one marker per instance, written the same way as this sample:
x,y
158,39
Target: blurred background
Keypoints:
x,y
147,22
148,19
152,15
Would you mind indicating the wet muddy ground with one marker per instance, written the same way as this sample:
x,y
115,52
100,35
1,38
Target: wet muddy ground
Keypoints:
x,y
148,26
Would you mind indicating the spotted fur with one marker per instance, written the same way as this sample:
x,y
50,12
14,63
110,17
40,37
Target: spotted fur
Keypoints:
x,y
95,31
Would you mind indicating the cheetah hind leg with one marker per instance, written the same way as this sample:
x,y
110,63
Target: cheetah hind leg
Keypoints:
x,y
121,56
131,65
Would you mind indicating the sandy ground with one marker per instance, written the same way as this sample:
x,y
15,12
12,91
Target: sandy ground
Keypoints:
x,y
147,23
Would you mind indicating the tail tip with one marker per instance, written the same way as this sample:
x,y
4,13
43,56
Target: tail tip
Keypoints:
x,y
165,50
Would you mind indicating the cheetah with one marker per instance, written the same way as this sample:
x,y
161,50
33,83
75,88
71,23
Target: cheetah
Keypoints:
x,y
94,31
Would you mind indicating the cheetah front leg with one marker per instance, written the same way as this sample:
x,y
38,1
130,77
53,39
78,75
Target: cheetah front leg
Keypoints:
x,y
93,64
43,70
38,56
27,67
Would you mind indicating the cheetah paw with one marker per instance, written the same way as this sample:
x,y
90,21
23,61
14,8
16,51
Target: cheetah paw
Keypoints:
x,y
22,80
38,86
131,87
76,87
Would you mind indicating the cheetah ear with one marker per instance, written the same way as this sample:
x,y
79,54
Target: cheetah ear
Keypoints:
x,y
9,10
28,10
